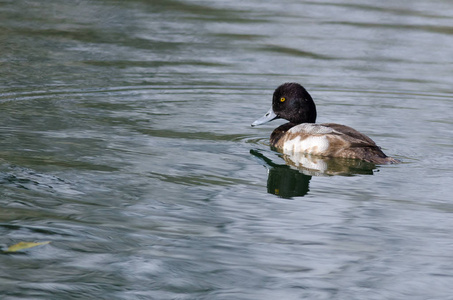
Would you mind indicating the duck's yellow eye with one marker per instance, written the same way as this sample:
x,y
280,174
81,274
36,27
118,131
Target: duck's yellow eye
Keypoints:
x,y
282,99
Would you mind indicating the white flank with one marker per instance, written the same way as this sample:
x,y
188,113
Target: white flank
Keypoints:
x,y
313,145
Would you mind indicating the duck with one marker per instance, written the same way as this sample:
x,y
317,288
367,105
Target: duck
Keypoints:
x,y
302,134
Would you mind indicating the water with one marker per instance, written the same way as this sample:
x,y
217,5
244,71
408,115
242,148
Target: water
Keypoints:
x,y
125,141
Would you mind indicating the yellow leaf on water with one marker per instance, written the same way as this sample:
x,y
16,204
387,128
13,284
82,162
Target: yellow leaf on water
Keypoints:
x,y
24,245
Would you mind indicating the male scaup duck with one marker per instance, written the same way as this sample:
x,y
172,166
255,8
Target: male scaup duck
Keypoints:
x,y
292,102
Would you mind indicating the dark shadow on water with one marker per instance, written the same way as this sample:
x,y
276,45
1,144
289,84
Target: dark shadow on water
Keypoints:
x,y
292,179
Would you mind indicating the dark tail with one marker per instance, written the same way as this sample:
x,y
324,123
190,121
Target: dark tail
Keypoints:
x,y
384,160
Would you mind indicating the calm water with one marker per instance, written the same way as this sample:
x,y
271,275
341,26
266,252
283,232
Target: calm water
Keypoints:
x,y
125,141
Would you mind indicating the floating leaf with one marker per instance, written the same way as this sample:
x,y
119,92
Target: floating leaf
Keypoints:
x,y
24,245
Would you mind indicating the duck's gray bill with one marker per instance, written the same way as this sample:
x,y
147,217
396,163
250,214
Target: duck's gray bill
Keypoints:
x,y
269,116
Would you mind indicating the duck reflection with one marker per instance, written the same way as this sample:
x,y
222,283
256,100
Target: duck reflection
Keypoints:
x,y
287,182
293,178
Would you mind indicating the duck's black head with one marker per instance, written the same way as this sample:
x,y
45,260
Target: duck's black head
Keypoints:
x,y
290,102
